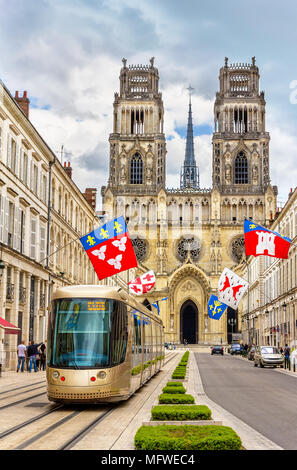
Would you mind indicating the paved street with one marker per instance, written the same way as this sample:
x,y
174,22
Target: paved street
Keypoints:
x,y
263,398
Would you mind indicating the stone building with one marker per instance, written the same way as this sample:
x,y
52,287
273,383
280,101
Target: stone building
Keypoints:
x,y
27,277
189,234
269,311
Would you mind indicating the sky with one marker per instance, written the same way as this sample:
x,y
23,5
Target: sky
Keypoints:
x,y
68,54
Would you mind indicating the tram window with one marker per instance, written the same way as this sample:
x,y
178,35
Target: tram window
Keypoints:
x,y
137,351
147,337
119,334
81,331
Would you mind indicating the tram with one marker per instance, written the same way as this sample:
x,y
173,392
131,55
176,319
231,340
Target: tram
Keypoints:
x,y
102,345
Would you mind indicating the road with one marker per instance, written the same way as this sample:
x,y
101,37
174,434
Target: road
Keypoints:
x,y
265,399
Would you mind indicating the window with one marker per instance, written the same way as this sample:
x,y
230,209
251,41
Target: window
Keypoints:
x,y
25,169
33,239
44,188
10,224
241,169
136,169
42,242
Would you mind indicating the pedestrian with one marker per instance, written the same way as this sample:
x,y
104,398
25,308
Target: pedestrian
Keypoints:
x,y
287,356
22,355
32,351
42,356
281,350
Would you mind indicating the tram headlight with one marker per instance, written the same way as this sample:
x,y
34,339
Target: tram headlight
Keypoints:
x,y
55,374
101,375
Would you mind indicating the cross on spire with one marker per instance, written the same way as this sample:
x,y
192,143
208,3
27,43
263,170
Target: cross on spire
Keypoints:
x,y
190,89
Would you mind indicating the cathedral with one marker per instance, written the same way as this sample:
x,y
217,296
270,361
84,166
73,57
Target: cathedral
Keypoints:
x,y
189,234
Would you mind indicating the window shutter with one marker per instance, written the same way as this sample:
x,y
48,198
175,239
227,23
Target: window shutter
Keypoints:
x,y
21,171
9,151
17,160
5,217
33,239
15,228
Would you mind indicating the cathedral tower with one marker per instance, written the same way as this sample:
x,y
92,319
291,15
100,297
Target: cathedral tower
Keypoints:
x,y
240,142
137,144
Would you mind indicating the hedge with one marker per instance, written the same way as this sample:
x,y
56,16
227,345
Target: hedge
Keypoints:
x,y
175,398
180,412
174,384
186,437
178,375
179,389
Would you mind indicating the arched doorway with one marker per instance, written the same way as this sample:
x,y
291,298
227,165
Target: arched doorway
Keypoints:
x,y
189,322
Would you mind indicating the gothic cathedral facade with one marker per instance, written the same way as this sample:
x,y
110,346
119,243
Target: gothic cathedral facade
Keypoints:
x,y
189,234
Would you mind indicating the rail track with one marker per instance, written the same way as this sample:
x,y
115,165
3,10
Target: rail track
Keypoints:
x,y
58,428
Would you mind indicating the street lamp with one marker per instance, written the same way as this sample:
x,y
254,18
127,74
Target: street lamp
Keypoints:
x,y
232,322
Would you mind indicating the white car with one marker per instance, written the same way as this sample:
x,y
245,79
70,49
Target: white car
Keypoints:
x,y
268,356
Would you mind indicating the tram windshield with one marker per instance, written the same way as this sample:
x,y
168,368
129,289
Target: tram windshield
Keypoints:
x,y
82,333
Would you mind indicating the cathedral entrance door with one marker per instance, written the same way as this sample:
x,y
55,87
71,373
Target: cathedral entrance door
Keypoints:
x,y
189,322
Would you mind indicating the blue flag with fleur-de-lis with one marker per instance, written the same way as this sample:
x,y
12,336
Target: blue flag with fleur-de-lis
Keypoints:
x,y
216,308
109,248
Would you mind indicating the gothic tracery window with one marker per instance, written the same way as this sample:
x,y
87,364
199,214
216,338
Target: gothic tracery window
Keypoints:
x,y
136,169
140,248
241,169
237,248
188,244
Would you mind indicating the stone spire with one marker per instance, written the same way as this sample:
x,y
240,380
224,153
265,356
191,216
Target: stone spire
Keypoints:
x,y
189,177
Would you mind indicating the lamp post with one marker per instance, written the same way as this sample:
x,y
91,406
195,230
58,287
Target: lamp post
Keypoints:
x,y
232,322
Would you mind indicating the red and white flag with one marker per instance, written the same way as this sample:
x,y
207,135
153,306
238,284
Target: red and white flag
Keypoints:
x,y
231,288
142,284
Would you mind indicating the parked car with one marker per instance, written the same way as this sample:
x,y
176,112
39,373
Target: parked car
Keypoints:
x,y
236,349
268,356
251,354
217,350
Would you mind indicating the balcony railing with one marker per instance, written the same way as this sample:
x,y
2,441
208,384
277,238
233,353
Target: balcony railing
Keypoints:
x,y
10,291
42,301
22,295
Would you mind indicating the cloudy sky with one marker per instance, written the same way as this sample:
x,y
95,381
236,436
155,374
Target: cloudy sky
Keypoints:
x,y
67,54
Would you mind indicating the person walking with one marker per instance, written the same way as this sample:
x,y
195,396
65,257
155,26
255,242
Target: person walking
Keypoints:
x,y
22,355
287,356
42,356
32,351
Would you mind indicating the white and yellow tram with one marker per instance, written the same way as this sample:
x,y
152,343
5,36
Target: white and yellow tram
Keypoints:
x,y
102,345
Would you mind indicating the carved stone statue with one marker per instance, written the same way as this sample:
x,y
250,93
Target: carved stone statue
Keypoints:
x,y
255,174
152,61
228,173
124,62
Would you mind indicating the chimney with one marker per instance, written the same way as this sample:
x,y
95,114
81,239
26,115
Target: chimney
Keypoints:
x,y
23,102
290,193
90,196
68,170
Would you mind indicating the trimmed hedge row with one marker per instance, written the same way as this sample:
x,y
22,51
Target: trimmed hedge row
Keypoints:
x,y
174,384
180,412
180,389
187,437
176,398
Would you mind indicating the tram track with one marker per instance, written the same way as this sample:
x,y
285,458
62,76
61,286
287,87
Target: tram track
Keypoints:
x,y
23,386
41,433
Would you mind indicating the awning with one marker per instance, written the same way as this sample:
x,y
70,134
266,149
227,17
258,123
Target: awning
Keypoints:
x,y
8,327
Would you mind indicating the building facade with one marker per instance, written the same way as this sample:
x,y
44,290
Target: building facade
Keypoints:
x,y
27,167
269,311
189,234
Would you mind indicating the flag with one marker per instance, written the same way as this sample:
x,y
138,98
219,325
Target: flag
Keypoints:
x,y
142,284
231,288
216,308
110,248
262,241
156,304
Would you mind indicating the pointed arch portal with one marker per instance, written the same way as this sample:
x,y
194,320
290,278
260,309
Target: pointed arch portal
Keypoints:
x,y
189,322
